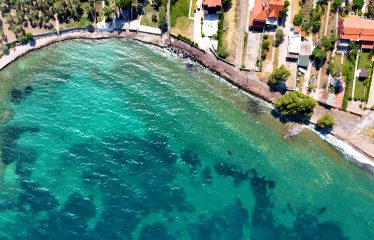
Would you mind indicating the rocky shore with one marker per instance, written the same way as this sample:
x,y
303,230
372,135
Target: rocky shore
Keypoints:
x,y
349,128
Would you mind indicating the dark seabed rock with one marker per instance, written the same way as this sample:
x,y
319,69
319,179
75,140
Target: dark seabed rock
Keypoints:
x,y
157,231
224,169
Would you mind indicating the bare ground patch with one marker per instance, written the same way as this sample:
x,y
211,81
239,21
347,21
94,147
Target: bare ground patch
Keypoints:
x,y
231,23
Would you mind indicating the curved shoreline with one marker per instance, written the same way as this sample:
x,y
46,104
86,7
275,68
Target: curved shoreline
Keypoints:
x,y
230,74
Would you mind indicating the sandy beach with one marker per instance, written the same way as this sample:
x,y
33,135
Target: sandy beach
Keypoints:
x,y
349,128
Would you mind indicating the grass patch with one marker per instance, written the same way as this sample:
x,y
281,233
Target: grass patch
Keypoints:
x,y
179,9
364,60
337,64
183,27
359,90
348,71
363,85
146,20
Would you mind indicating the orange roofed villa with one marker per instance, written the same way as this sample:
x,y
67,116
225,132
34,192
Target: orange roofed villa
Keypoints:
x,y
357,29
265,12
212,6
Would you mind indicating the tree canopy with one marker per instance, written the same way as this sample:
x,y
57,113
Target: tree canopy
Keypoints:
x,y
295,103
319,55
326,121
279,74
162,24
298,19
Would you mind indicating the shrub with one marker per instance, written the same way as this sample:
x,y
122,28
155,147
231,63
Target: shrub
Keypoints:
x,y
265,45
28,37
295,103
278,37
5,49
154,18
326,121
222,52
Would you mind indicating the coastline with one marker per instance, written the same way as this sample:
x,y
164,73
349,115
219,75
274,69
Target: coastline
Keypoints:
x,y
343,131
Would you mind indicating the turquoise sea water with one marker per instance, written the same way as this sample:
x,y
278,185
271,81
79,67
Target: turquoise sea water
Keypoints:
x,y
119,140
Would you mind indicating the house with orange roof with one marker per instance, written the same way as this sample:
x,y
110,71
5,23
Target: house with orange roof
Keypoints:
x,y
265,12
212,6
357,29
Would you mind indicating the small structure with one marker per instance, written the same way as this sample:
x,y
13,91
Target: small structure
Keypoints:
x,y
362,73
265,12
212,6
303,61
355,28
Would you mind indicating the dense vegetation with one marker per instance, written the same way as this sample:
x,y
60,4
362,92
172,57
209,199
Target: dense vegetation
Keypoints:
x,y
295,104
21,14
221,50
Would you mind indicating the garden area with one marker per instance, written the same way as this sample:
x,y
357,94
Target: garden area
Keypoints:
x,y
149,18
179,18
363,83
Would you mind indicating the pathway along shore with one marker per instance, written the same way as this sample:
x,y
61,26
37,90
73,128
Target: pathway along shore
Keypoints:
x,y
349,128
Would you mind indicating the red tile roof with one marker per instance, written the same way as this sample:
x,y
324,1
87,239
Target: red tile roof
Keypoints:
x,y
356,28
264,9
212,3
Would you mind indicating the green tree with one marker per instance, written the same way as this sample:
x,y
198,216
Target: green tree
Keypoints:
x,y
336,5
279,36
319,56
284,9
278,75
327,44
326,121
226,4
123,3
162,24
358,4
108,12
295,103
298,19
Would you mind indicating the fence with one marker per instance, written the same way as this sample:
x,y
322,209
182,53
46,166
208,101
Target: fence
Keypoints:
x,y
190,44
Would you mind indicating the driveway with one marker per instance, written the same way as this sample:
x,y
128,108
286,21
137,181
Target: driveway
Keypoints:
x,y
283,47
253,49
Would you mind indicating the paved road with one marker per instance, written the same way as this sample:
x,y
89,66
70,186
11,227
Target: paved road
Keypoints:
x,y
253,49
243,25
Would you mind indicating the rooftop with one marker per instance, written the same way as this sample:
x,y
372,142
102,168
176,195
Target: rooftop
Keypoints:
x,y
212,3
264,9
294,43
356,28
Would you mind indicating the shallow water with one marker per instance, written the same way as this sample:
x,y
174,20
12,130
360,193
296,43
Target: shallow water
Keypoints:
x,y
117,140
